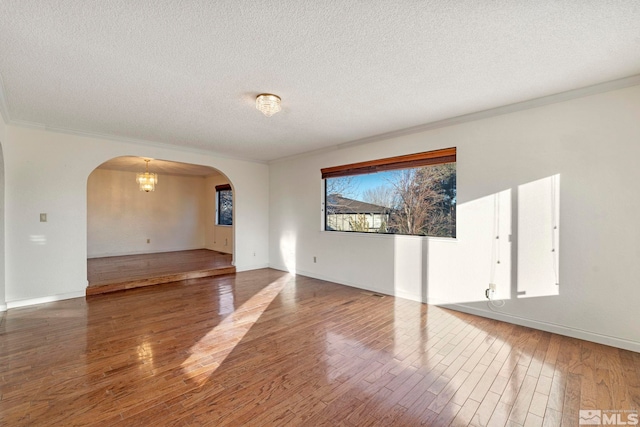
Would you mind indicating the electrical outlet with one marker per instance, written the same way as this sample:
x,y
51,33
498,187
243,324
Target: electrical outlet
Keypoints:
x,y
148,240
314,260
43,217
491,292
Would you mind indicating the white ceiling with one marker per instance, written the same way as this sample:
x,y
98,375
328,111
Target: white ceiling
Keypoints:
x,y
161,167
187,72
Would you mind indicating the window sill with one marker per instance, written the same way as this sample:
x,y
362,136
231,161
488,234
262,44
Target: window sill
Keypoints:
x,y
389,236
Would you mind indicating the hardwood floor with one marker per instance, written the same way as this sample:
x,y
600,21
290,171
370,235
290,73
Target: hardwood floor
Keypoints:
x,y
112,274
265,348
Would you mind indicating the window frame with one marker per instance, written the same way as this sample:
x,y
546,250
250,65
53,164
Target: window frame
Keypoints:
x,y
409,161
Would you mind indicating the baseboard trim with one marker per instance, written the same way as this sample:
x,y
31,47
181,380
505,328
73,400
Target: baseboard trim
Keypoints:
x,y
399,294
3,307
145,252
344,283
534,324
240,268
546,326
43,300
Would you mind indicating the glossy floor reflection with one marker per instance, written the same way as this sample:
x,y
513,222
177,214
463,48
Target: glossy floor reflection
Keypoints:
x,y
118,273
267,348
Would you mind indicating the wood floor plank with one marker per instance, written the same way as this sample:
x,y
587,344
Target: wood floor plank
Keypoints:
x,y
588,384
470,383
412,415
552,418
538,404
482,387
523,400
533,421
485,410
571,405
117,273
266,348
512,390
557,392
500,416
445,396
465,414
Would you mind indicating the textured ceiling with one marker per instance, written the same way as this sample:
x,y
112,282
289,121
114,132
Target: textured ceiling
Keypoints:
x,y
187,72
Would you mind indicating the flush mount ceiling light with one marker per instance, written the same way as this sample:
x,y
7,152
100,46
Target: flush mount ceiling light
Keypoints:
x,y
147,181
268,103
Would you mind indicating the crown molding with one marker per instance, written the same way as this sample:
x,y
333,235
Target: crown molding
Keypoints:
x,y
116,138
498,111
506,109
305,154
4,111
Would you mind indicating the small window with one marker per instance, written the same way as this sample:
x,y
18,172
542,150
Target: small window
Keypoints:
x,y
224,205
412,195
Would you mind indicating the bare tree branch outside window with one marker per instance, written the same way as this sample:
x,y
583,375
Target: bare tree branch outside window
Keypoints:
x,y
225,207
417,201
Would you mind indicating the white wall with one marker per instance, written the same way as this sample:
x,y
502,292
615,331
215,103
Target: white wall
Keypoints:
x,y
46,172
120,217
589,144
3,303
219,237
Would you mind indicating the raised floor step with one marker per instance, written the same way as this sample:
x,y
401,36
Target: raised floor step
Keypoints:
x,y
117,273
96,289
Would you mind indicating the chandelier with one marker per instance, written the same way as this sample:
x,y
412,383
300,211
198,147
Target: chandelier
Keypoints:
x,y
147,181
268,103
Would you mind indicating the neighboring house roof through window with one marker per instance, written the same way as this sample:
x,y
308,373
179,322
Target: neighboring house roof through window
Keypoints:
x,y
343,205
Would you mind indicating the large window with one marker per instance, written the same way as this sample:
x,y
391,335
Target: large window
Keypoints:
x,y
413,194
224,205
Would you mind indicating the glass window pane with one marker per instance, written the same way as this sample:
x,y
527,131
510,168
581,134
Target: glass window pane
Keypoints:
x,y
415,201
225,207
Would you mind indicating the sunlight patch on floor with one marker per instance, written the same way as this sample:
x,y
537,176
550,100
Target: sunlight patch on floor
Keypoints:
x,y
213,348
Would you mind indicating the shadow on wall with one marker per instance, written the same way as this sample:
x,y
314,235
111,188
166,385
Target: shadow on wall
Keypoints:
x,y
508,241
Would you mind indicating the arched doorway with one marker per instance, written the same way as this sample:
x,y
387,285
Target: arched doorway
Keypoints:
x,y
127,225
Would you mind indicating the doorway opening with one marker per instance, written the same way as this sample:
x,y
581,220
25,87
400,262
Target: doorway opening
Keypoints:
x,y
139,237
